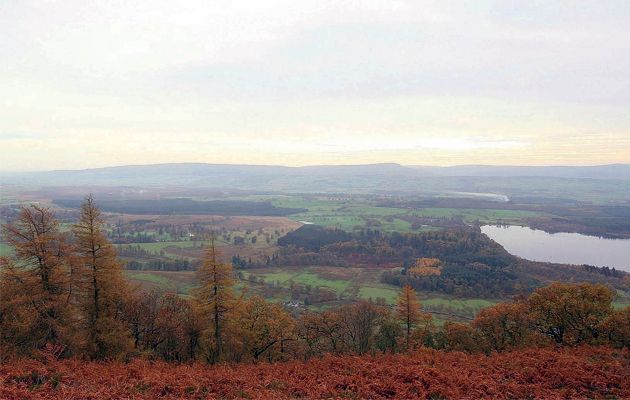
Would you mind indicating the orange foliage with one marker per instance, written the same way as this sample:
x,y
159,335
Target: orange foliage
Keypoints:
x,y
617,328
426,267
570,314
461,337
505,326
583,372
408,310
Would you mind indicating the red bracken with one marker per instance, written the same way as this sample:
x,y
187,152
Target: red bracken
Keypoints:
x,y
584,372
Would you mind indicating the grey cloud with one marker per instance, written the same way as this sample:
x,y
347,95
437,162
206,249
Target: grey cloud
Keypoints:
x,y
455,58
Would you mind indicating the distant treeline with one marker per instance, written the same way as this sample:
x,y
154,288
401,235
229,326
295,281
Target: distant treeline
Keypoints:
x,y
559,215
313,237
188,206
606,271
611,222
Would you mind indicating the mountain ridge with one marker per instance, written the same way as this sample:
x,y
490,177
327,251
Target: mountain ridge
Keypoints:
x,y
443,169
329,177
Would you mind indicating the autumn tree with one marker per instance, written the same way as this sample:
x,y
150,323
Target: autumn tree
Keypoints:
x,y
408,310
164,325
16,312
570,314
215,297
424,332
264,329
321,332
616,327
505,326
459,337
191,328
389,333
177,329
359,323
102,285
35,295
141,315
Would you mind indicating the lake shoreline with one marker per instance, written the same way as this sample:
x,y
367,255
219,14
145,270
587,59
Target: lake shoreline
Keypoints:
x,y
563,247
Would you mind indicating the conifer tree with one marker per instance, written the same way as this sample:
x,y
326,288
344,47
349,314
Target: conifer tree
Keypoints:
x,y
102,287
215,297
35,283
408,310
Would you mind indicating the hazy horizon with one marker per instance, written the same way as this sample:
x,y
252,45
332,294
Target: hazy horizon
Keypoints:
x,y
314,83
428,166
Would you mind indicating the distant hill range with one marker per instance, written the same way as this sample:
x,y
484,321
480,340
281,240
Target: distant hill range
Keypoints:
x,y
202,175
611,171
195,170
372,178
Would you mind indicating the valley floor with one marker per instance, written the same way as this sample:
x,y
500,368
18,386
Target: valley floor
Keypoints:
x,y
586,372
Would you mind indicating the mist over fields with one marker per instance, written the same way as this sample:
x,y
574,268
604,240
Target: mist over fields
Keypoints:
x,y
570,182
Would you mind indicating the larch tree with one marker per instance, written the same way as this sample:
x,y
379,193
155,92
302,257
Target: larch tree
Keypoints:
x,y
215,297
35,293
101,286
408,310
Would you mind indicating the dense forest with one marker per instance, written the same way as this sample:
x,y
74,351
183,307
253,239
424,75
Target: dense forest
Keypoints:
x,y
65,292
371,247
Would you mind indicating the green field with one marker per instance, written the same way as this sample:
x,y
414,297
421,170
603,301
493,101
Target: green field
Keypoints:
x,y
617,305
156,247
439,305
459,303
390,293
5,249
471,214
304,277
308,278
343,214
361,213
366,285
149,277
181,282
455,306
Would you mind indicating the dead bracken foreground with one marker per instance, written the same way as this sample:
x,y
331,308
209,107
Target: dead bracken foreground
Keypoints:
x,y
584,372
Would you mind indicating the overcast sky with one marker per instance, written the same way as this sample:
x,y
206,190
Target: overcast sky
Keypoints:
x,y
98,83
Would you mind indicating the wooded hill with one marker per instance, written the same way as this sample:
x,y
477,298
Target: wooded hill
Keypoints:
x,y
472,263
